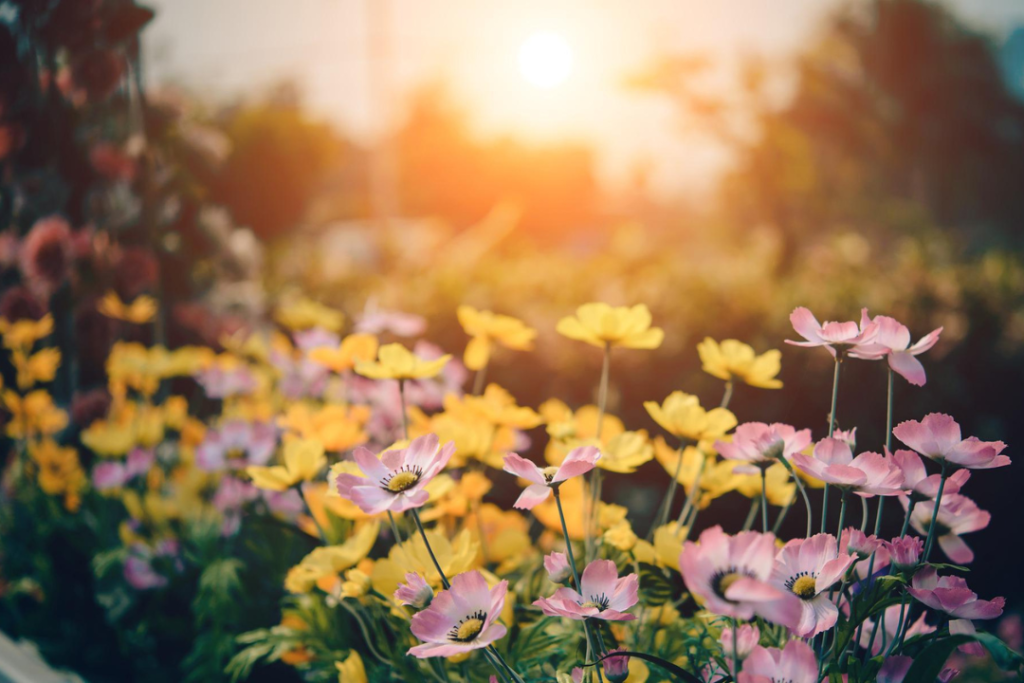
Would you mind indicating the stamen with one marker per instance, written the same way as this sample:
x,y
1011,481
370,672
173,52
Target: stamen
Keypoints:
x,y
468,629
402,479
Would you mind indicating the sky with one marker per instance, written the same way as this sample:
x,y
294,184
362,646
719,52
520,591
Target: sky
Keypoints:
x,y
226,49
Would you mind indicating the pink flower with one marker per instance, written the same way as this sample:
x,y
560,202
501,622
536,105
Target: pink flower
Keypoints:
x,y
732,574
139,461
831,334
377,321
867,475
957,515
108,475
905,551
965,627
46,257
415,592
221,382
747,640
891,619
855,542
808,568
950,594
579,461
762,445
237,443
849,436
397,479
892,341
460,619
616,667
937,436
557,567
795,663
140,575
603,595
919,483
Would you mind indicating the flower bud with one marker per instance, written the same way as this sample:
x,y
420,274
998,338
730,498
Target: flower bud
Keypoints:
x,y
415,592
906,551
616,667
557,566
746,641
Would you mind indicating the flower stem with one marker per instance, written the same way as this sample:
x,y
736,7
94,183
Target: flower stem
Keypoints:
x,y
831,431
590,523
935,515
430,551
692,496
401,400
735,650
842,513
665,509
394,529
764,500
865,513
803,492
479,379
572,565
727,396
754,504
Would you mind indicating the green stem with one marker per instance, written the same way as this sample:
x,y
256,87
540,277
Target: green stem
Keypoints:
x,y
735,651
864,513
479,379
572,565
764,500
665,509
935,514
430,551
803,492
754,504
401,399
727,396
590,523
842,512
692,495
394,529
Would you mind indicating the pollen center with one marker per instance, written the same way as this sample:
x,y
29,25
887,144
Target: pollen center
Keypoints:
x,y
402,481
469,630
804,587
549,473
728,580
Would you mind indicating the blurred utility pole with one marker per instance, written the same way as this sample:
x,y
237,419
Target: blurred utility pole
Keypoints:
x,y
383,162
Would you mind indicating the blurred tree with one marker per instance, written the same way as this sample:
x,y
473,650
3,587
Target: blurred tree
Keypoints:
x,y
900,114
279,161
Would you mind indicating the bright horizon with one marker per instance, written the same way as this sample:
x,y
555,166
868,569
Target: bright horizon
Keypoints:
x,y
237,48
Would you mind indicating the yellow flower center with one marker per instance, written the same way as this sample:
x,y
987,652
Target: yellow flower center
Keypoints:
x,y
728,580
804,587
469,629
402,481
549,473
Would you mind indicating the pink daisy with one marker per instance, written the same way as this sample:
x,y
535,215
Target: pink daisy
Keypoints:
x,y
920,484
460,619
808,568
762,445
795,663
830,335
950,595
415,592
867,475
892,341
237,443
732,575
579,461
957,515
602,595
937,436
396,480
557,567
890,620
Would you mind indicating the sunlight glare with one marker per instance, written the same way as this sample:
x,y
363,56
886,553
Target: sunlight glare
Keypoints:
x,y
545,59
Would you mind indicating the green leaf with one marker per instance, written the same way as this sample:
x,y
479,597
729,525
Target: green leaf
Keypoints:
x,y
946,565
655,587
929,662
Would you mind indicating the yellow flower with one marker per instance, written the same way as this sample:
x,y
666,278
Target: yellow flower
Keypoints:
x,y
59,469
569,430
573,502
394,361
39,367
34,414
601,325
24,333
682,415
339,428
332,559
498,407
779,487
621,536
733,358
351,670
304,313
506,536
112,437
485,328
356,584
609,514
455,556
668,543
303,459
354,348
140,311
624,452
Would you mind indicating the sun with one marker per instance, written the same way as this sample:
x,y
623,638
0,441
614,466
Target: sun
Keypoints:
x,y
545,59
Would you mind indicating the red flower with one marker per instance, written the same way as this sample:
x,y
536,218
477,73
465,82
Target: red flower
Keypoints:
x,y
46,255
